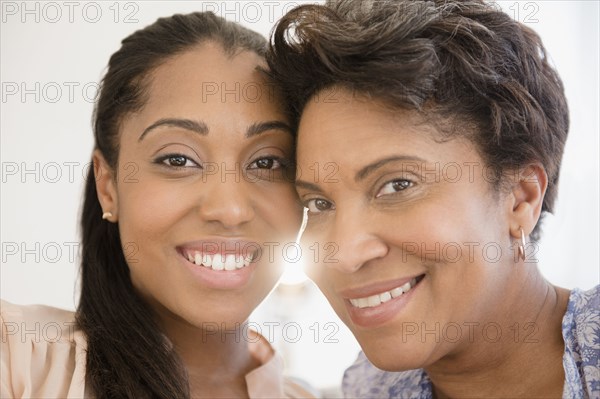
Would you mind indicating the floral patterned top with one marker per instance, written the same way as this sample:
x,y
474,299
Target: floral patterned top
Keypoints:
x,y
581,360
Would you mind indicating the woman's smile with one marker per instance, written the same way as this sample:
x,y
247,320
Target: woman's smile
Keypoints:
x,y
373,305
220,263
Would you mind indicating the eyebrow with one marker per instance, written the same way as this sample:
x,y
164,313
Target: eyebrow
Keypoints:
x,y
308,186
372,167
261,127
202,129
364,172
187,124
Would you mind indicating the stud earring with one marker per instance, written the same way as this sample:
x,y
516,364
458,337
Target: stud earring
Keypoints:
x,y
107,215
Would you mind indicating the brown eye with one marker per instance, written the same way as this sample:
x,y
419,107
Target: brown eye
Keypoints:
x,y
267,163
318,205
395,186
177,161
399,185
264,163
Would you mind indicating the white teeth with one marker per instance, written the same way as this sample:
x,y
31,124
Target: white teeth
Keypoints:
x,y
406,287
386,296
373,300
219,261
363,302
378,299
229,262
239,262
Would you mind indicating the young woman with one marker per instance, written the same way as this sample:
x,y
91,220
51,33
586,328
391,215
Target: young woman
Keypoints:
x,y
442,125
188,186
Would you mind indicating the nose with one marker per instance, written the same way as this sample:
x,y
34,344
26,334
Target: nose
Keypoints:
x,y
227,202
356,242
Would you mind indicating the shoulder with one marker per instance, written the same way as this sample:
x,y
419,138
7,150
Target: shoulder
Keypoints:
x,y
24,325
32,316
37,342
295,388
581,334
582,318
364,380
585,301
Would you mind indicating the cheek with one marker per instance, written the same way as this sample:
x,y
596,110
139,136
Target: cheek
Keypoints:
x,y
149,214
459,245
315,271
278,206
325,278
146,210
452,229
312,253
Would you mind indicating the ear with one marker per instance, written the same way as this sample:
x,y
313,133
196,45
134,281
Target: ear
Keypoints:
x,y
528,193
106,186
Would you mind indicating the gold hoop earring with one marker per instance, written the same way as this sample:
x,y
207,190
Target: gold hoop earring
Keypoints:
x,y
522,245
107,215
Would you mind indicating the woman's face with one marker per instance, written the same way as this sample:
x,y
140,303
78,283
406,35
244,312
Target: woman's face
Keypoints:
x,y
203,188
423,253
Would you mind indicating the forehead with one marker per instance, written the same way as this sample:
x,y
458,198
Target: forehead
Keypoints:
x,y
225,91
339,121
351,130
206,74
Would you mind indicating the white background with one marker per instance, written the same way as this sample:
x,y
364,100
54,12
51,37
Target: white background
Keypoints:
x,y
52,57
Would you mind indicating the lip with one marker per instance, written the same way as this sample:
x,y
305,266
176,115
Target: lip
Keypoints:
x,y
377,288
220,245
220,279
371,317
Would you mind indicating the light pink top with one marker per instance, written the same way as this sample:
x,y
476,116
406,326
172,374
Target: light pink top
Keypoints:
x,y
43,355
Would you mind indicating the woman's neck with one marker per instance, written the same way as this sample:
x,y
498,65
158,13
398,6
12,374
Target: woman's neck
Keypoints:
x,y
216,360
524,361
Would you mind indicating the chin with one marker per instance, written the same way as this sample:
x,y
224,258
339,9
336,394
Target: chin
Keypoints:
x,y
218,321
397,356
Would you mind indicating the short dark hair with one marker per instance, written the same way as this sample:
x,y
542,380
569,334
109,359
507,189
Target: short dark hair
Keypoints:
x,y
464,62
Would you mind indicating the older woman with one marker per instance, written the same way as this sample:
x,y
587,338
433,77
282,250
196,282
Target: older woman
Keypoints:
x,y
438,129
